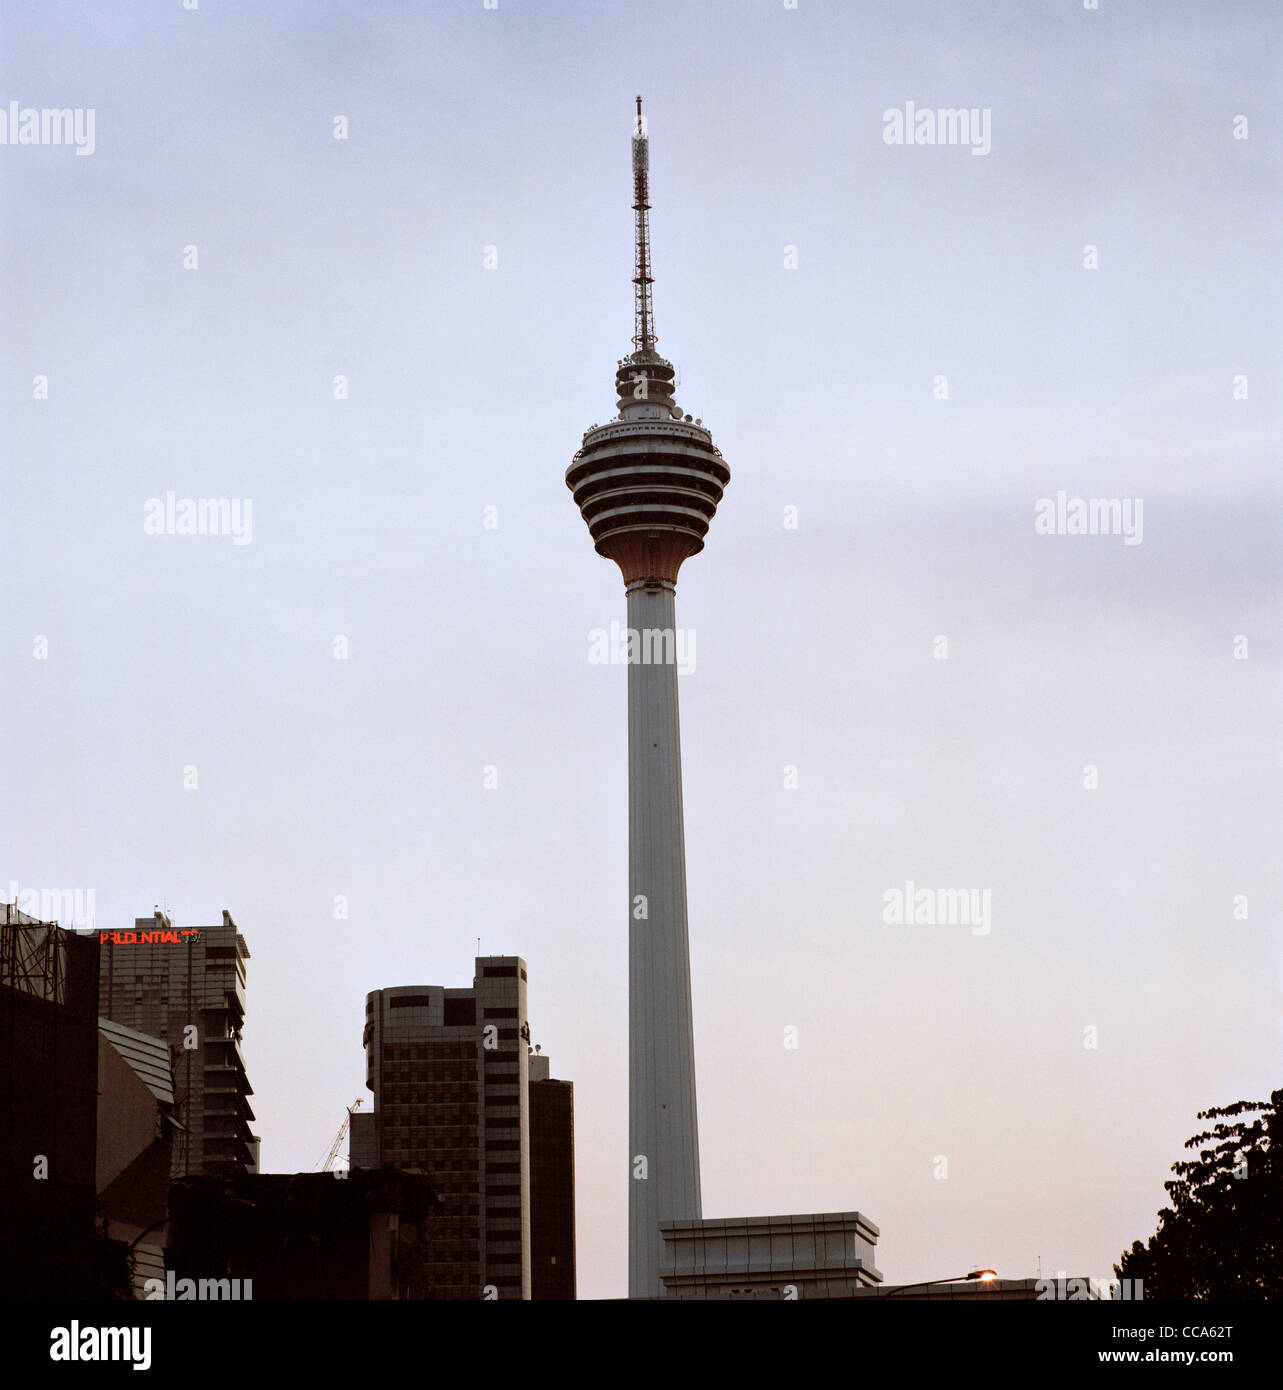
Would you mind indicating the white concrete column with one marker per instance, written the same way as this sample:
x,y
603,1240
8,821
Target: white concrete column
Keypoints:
x,y
662,1117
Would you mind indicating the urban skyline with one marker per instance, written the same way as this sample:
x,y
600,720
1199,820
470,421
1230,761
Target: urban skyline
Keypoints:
x,y
375,730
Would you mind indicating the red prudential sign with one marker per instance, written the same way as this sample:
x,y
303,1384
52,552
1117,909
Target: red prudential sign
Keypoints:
x,y
147,938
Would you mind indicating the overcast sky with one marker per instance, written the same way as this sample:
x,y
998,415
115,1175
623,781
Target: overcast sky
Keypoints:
x,y
463,260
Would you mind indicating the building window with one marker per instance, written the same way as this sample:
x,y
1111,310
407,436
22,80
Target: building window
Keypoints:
x,y
460,1013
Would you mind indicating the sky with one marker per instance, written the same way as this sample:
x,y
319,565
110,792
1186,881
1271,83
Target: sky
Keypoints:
x,y
379,691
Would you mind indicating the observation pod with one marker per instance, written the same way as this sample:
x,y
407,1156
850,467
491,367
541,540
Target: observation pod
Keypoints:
x,y
648,482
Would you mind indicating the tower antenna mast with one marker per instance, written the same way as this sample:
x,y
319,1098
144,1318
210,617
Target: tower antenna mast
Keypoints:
x,y
643,315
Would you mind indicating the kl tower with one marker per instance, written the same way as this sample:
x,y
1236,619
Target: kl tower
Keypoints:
x,y
647,484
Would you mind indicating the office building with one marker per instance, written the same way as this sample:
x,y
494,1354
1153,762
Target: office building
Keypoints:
x,y
787,1258
187,987
450,1072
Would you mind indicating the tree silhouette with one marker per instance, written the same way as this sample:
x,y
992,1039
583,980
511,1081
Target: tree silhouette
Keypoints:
x,y
1222,1236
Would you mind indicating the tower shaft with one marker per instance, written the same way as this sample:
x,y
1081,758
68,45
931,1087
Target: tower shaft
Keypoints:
x,y
663,1134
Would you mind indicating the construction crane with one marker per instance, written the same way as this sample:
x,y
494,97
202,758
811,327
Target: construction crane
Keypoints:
x,y
338,1138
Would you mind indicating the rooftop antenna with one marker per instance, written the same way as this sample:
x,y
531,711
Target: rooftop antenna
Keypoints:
x,y
643,316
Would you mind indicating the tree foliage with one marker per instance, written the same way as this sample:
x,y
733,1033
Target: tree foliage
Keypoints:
x,y
1222,1236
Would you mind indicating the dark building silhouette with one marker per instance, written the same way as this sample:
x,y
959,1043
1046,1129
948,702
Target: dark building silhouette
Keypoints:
x,y
552,1183
450,1073
48,1114
136,1128
353,1236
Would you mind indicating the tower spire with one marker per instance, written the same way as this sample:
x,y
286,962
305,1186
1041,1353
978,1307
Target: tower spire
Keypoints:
x,y
643,315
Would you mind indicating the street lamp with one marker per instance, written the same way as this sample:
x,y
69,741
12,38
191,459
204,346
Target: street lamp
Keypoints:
x,y
985,1276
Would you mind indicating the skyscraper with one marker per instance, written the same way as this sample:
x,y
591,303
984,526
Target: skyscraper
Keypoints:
x,y
450,1071
187,988
647,484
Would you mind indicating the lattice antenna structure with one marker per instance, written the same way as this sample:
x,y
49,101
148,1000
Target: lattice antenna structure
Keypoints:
x,y
644,314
